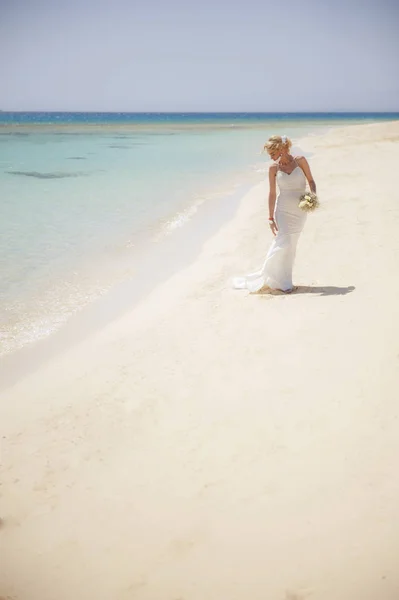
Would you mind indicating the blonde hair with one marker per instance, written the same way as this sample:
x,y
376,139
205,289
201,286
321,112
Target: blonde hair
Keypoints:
x,y
276,142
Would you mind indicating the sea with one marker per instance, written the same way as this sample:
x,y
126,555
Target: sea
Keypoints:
x,y
95,204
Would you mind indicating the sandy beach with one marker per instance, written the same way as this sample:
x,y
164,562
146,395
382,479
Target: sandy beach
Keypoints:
x,y
217,445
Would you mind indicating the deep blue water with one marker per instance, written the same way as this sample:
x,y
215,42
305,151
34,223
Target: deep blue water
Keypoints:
x,y
124,117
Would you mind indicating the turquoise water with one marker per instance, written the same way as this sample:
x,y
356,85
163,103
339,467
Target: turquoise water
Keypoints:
x,y
82,193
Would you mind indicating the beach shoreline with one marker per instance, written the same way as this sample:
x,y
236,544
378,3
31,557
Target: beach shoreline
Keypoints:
x,y
156,260
216,444
54,263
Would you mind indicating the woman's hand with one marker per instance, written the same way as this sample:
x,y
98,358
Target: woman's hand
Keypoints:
x,y
273,226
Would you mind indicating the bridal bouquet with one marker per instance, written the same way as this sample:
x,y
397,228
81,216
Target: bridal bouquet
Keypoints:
x,y
308,202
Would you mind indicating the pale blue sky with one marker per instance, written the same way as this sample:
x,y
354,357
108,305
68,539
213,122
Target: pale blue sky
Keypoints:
x,y
211,55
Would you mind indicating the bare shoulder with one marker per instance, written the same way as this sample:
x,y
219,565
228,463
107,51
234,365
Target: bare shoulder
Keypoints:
x,y
301,160
273,169
303,163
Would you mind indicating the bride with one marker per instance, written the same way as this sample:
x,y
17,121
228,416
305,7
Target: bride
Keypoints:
x,y
286,219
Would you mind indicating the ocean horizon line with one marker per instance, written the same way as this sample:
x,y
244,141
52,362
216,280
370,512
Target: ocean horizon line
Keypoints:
x,y
207,112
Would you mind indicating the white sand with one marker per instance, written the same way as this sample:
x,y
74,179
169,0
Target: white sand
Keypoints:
x,y
215,445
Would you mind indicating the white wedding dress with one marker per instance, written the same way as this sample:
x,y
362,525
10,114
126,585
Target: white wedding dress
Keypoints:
x,y
276,272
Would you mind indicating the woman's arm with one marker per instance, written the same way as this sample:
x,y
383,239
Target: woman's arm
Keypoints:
x,y
303,163
272,197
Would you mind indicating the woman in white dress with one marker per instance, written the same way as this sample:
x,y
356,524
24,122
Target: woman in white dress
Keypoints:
x,y
286,219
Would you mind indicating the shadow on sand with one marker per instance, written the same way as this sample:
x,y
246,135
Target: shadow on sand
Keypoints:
x,y
325,290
